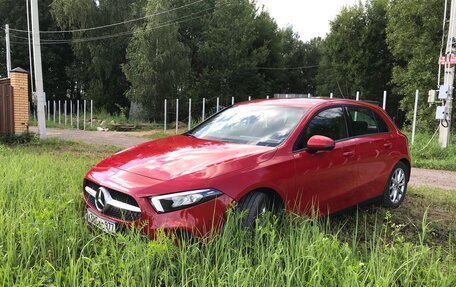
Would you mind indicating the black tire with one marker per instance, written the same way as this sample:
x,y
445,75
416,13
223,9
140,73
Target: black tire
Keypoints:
x,y
395,189
253,205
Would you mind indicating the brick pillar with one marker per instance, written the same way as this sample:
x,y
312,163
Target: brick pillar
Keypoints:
x,y
19,82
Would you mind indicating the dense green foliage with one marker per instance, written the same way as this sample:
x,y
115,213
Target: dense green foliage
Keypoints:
x,y
414,35
158,58
355,53
96,72
388,46
56,58
219,48
45,242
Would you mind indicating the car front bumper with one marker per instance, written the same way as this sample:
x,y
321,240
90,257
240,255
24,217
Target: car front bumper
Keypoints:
x,y
199,220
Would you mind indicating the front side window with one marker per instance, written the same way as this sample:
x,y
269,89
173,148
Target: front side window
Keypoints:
x,y
363,121
249,124
330,123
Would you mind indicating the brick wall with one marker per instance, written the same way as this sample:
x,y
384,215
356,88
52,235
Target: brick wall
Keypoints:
x,y
19,82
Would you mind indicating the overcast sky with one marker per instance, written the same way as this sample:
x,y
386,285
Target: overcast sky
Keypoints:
x,y
310,18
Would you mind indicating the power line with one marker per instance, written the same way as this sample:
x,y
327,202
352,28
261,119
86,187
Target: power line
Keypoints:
x,y
104,37
114,24
290,68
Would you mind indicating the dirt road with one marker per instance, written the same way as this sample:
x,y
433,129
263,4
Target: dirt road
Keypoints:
x,y
420,177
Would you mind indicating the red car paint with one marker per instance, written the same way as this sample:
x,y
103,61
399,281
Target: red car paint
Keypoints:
x,y
354,170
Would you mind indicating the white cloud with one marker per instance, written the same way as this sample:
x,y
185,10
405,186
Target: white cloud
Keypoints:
x,y
310,18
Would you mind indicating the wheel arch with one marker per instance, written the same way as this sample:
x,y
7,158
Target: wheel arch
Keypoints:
x,y
273,194
409,166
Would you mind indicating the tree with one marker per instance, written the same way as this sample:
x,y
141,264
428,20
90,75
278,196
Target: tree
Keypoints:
x,y
229,57
158,62
296,54
355,55
96,72
55,58
414,34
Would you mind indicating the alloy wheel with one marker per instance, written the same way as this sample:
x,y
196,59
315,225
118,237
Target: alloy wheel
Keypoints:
x,y
397,185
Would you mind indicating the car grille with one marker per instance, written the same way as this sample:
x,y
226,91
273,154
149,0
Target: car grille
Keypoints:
x,y
112,211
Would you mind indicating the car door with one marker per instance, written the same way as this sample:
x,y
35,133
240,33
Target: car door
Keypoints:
x,y
373,145
324,178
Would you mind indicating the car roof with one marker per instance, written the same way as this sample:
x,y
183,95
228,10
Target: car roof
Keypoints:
x,y
307,103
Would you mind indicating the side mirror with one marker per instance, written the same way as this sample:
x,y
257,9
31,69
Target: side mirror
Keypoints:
x,y
320,143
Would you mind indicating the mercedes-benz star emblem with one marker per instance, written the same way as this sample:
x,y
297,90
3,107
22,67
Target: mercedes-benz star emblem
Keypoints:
x,y
100,199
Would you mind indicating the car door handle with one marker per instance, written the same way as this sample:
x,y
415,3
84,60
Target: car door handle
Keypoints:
x,y
349,153
388,145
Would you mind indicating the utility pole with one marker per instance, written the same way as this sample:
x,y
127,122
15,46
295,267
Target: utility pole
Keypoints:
x,y
445,126
32,85
8,50
38,69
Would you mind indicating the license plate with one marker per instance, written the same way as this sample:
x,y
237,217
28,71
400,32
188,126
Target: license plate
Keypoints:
x,y
101,223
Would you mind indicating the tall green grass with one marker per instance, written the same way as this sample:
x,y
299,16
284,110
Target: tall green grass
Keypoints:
x,y
427,153
45,242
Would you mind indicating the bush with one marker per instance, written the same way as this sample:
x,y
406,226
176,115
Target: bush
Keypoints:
x,y
14,139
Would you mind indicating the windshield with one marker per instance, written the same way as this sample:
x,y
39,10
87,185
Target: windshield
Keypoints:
x,y
250,124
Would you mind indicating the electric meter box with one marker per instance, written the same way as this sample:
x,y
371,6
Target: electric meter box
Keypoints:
x,y
443,92
432,96
440,114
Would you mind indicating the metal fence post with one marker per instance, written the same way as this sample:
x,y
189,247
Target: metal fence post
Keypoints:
x,y
177,115
357,96
331,95
77,114
250,98
71,113
267,97
91,113
54,108
49,110
60,112
309,96
232,100
415,111
65,111
204,108
218,105
384,99
189,114
85,108
164,116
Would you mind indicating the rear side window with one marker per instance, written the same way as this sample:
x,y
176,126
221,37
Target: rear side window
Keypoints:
x,y
363,121
330,123
382,126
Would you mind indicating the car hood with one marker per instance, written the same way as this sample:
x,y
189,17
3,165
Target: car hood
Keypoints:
x,y
176,156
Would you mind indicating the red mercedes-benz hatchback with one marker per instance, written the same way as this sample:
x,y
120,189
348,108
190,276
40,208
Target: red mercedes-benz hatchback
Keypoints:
x,y
299,154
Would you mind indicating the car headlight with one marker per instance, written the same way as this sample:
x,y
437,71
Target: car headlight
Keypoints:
x,y
176,201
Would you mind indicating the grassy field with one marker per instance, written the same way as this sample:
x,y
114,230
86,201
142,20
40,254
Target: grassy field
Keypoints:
x,y
433,156
45,242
